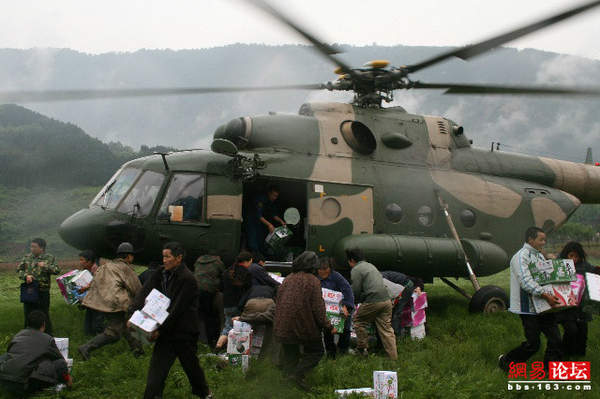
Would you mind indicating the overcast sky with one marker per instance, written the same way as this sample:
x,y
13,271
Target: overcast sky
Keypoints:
x,y
128,25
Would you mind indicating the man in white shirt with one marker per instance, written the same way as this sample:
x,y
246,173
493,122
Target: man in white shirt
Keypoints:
x,y
522,288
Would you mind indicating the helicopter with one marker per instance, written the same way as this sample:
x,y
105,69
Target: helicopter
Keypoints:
x,y
409,190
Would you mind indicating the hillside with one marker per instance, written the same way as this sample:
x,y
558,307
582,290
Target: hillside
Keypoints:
x,y
560,127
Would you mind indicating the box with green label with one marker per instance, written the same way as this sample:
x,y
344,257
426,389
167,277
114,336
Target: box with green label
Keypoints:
x,y
553,271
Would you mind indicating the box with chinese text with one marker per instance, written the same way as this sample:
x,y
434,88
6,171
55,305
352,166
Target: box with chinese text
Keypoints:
x,y
385,384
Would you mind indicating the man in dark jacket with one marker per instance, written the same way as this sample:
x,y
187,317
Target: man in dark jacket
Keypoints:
x,y
177,337
300,318
33,361
333,280
259,274
208,271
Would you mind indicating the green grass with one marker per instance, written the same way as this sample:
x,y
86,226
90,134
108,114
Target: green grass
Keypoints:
x,y
456,360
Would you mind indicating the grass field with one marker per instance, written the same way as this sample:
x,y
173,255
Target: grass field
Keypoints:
x,y
458,359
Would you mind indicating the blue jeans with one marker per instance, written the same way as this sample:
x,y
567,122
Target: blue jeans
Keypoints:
x,y
229,313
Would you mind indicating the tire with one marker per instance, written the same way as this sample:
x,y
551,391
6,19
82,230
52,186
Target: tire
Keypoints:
x,y
489,299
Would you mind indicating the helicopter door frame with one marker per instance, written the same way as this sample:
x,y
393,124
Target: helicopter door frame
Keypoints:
x,y
336,210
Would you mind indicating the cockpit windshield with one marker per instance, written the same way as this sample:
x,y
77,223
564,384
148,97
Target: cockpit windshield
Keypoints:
x,y
111,194
141,197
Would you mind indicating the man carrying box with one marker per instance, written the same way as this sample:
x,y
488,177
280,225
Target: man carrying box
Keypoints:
x,y
177,337
111,292
375,304
522,288
333,280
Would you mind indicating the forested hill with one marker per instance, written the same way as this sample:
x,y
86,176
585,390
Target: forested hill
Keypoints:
x,y
36,150
559,127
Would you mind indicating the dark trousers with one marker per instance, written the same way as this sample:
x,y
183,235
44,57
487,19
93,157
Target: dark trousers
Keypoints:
x,y
43,305
298,365
575,325
94,322
533,325
164,355
210,324
343,342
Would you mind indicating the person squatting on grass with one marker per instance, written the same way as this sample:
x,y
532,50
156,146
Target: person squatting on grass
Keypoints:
x,y
177,337
35,270
33,362
111,292
522,288
375,304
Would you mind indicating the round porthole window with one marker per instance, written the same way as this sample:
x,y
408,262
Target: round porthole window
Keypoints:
x,y
358,136
468,218
425,216
331,208
393,212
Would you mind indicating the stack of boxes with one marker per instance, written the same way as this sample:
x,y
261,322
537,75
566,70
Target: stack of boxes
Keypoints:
x,y
413,315
153,314
385,386
239,342
70,283
333,307
63,346
555,276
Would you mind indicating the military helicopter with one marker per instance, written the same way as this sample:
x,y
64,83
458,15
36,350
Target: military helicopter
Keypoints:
x,y
409,190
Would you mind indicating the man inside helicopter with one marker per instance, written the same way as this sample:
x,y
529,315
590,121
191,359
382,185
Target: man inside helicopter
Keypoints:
x,y
263,216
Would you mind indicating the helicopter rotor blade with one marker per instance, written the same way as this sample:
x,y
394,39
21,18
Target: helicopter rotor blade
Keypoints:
x,y
473,50
322,47
66,95
507,90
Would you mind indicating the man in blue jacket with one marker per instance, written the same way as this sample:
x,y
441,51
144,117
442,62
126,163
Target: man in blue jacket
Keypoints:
x,y
333,280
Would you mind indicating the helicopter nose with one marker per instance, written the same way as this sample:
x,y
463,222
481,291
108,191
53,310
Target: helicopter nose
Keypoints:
x,y
76,230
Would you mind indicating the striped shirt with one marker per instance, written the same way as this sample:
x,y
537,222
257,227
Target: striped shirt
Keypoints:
x,y
522,284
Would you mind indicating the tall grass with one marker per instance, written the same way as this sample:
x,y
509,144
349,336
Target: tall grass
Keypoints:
x,y
457,359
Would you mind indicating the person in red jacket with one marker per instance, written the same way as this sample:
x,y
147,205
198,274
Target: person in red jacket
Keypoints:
x,y
300,318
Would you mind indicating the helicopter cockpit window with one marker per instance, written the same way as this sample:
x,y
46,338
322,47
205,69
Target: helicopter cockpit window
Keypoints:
x,y
113,192
141,197
184,201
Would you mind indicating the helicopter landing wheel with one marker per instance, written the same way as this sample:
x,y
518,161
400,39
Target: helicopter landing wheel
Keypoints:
x,y
489,299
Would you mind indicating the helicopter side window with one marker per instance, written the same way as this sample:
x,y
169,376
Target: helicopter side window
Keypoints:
x,y
113,192
141,197
184,200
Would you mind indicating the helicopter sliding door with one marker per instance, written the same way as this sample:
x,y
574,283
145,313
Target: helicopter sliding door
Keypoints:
x,y
335,211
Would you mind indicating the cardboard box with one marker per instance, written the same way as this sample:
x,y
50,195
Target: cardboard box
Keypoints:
x,y
63,346
385,384
578,287
593,285
155,310
66,288
418,317
553,271
417,332
69,364
394,290
331,295
239,342
362,392
157,296
563,292
419,301
277,278
241,326
82,279
333,307
337,321
143,322
240,360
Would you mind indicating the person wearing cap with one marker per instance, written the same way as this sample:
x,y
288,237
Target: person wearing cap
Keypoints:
x,y
111,292
299,319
